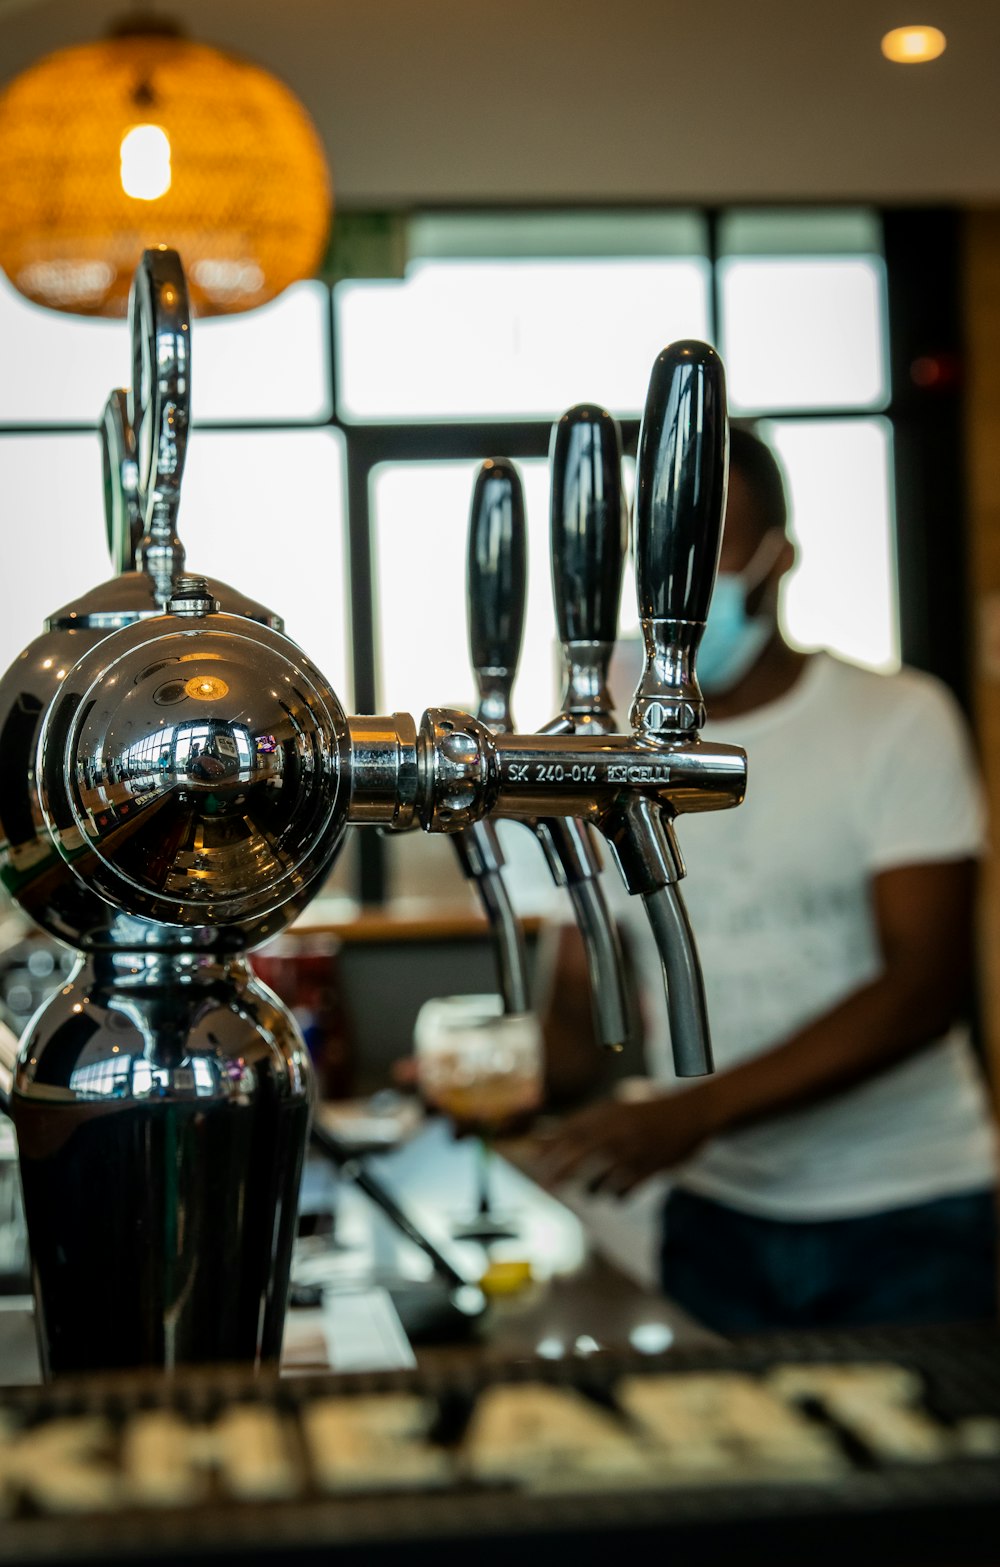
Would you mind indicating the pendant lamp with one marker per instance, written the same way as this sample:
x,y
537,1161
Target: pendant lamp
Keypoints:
x,y
148,138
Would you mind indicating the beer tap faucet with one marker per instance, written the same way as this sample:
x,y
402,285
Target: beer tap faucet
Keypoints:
x,y
496,584
588,556
680,500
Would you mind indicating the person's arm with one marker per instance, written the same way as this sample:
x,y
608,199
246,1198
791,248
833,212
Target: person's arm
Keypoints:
x,y
925,920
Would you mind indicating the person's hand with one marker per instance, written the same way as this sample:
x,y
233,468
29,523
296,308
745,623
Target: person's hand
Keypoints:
x,y
405,1074
615,1147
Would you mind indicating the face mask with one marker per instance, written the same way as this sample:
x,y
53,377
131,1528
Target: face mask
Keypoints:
x,y
732,640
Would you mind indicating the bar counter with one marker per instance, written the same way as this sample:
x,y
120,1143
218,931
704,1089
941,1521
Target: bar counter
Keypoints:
x,y
634,1431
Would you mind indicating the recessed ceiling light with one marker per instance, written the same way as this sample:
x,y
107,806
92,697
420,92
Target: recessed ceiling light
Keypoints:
x,y
914,45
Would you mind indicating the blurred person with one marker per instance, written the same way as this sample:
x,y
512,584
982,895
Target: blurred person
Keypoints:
x,y
840,1166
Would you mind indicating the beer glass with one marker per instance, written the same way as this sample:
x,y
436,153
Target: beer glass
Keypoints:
x,y
481,1067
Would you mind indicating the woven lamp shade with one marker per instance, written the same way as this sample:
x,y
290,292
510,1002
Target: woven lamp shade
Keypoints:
x,y
248,202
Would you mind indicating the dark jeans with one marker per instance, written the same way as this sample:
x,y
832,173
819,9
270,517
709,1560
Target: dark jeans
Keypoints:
x,y
932,1262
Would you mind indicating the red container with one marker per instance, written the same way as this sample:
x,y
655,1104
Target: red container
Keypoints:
x,y
304,971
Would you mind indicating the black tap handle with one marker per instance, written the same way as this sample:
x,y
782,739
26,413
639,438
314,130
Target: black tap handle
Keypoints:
x,y
497,584
588,524
122,515
680,502
680,492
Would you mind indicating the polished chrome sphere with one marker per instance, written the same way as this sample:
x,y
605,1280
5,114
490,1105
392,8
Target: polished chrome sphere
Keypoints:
x,y
30,869
192,773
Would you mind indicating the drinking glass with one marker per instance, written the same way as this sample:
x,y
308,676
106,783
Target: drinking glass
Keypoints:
x,y
482,1067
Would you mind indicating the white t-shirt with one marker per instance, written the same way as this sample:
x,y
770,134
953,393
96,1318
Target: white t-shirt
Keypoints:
x,y
850,773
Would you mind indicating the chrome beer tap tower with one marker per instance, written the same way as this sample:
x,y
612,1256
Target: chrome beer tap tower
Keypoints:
x,y
178,778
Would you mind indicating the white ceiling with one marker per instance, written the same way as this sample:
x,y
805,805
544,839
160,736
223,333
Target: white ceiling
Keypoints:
x,y
507,100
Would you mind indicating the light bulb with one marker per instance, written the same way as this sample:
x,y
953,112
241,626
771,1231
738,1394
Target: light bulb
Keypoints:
x,y
145,162
913,45
206,688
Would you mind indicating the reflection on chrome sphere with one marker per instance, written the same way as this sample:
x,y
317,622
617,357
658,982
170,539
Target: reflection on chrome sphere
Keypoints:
x,y
30,868
191,772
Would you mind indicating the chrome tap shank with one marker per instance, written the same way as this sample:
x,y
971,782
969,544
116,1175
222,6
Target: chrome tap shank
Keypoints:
x,y
463,772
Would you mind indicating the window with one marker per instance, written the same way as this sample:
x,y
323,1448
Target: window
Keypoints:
x,y
266,511
803,331
513,339
53,529
271,366
802,306
842,591
421,513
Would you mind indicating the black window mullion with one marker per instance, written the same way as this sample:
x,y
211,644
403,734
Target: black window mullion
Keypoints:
x,y
712,221
923,266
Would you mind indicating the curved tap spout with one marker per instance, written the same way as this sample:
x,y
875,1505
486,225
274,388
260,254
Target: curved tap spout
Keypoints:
x,y
159,408
644,844
496,587
482,860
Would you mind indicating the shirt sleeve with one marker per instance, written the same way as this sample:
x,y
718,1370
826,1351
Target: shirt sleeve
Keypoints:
x,y
923,800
